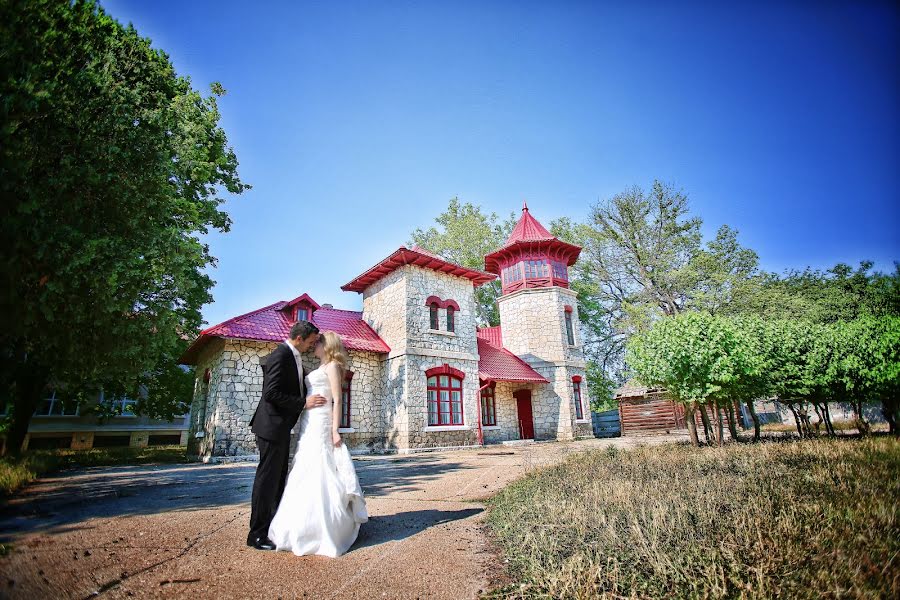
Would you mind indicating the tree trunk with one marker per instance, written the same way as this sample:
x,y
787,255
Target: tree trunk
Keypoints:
x,y
28,391
797,420
755,418
861,424
826,416
720,426
820,420
706,426
732,426
890,410
691,423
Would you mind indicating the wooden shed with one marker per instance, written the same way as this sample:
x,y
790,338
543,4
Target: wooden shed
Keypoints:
x,y
644,409
647,410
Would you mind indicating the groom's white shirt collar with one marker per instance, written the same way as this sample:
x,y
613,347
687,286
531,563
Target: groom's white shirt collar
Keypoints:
x,y
297,358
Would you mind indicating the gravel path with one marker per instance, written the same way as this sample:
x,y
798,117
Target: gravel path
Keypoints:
x,y
178,531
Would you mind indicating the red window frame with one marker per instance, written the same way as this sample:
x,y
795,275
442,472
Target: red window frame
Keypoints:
x,y
488,406
301,314
451,318
576,389
445,399
570,330
345,400
536,268
559,270
435,321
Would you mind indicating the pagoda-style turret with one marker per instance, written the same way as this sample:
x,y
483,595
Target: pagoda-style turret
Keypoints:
x,y
532,257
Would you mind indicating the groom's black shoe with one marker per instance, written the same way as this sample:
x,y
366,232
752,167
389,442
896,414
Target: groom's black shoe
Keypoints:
x,y
260,543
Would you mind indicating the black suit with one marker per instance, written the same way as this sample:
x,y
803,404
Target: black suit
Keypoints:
x,y
282,401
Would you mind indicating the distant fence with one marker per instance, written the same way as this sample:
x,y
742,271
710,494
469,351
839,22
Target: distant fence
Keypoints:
x,y
606,423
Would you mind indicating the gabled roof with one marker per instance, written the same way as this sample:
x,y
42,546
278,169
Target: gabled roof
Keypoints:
x,y
419,257
272,324
496,363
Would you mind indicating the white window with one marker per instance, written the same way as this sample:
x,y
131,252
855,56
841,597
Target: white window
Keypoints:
x,y
122,405
52,406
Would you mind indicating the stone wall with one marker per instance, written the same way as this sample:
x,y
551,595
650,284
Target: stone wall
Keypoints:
x,y
235,389
383,303
507,413
201,433
366,432
395,308
534,326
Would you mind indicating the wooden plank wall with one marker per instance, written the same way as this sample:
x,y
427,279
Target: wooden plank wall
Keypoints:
x,y
652,414
657,414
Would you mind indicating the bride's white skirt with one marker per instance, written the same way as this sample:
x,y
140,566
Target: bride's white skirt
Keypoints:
x,y
323,505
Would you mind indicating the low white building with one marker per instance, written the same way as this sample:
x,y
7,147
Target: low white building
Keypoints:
x,y
422,374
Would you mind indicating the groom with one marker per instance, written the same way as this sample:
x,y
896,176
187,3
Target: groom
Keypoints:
x,y
283,399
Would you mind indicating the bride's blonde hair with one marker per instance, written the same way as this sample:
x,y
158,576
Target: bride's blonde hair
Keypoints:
x,y
334,350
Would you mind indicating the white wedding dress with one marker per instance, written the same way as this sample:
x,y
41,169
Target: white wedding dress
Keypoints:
x,y
323,505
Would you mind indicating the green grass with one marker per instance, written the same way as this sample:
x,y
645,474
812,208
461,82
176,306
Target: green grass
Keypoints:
x,y
16,472
791,519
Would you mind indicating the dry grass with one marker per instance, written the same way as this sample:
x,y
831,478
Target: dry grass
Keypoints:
x,y
811,519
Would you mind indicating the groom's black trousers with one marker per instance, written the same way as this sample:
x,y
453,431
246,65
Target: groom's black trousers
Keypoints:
x,y
268,486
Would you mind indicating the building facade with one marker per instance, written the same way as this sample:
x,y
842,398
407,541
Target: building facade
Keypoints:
x,y
57,424
422,374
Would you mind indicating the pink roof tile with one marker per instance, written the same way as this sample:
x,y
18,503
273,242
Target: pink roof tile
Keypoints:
x,y
273,324
419,257
499,364
528,229
530,239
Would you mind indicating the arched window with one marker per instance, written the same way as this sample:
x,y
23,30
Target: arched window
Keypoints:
x,y
488,406
345,400
576,389
445,398
451,318
433,308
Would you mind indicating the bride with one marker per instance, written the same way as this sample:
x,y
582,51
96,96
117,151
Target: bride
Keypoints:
x,y
323,505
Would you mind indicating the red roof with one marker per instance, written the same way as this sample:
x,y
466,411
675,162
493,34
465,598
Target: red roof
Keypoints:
x,y
528,229
273,324
527,238
496,363
419,257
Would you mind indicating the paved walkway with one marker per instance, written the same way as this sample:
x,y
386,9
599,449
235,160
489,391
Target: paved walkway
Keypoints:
x,y
178,531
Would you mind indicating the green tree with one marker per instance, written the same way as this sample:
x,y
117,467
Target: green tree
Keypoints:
x,y
865,365
643,259
464,235
699,359
110,166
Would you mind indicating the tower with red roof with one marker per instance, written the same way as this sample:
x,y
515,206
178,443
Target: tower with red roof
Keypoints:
x,y
539,324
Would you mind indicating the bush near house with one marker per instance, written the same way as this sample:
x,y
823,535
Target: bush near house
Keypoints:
x,y
17,472
794,519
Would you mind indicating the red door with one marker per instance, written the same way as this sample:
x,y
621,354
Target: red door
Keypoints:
x,y
526,421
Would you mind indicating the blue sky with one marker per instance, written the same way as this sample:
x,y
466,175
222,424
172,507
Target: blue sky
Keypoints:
x,y
356,122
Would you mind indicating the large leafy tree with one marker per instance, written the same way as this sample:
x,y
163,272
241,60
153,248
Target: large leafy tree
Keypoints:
x,y
699,358
110,166
644,259
464,235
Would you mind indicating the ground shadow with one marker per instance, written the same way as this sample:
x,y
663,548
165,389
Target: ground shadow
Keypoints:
x,y
65,500
390,528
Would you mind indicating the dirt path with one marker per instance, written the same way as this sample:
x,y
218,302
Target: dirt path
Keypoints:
x,y
178,531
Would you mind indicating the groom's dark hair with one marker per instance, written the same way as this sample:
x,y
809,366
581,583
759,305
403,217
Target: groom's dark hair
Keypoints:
x,y
303,329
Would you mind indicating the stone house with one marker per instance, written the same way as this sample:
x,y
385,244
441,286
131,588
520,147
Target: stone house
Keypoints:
x,y
422,374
